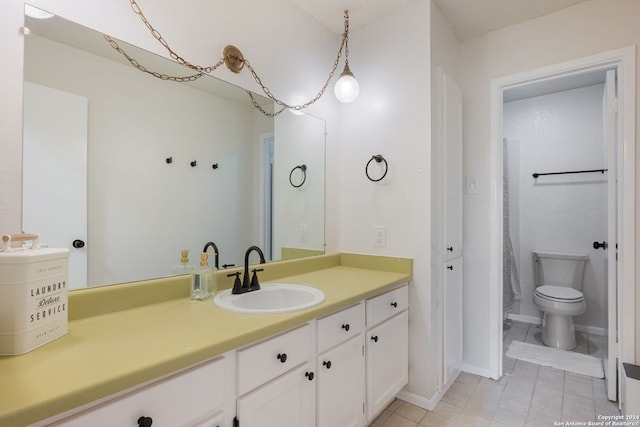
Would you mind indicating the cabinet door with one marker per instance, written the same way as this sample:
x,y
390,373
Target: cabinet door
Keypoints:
x,y
452,307
341,385
287,401
387,362
217,420
452,139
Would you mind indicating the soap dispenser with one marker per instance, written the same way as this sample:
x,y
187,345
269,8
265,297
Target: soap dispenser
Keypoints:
x,y
203,283
184,267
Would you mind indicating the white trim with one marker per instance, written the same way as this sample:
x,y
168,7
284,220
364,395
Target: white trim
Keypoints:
x,y
533,320
476,370
423,402
624,60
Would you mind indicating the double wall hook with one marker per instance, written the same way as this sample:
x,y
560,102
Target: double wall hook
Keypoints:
x,y
379,159
303,169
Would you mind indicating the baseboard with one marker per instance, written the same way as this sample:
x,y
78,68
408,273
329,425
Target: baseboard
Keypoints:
x,y
421,401
525,319
538,321
476,370
592,330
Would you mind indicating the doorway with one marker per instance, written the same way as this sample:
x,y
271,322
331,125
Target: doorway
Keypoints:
x,y
621,345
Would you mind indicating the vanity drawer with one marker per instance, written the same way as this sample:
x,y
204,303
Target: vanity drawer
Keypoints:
x,y
386,305
175,401
266,360
340,326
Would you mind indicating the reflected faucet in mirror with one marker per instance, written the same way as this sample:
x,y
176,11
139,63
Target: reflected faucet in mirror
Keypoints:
x,y
216,253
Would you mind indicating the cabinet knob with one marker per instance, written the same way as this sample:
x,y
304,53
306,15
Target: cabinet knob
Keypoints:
x,y
145,422
450,267
394,304
309,375
327,363
346,327
374,338
450,248
282,357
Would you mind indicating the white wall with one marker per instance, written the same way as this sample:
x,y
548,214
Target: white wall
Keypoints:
x,y
563,213
575,32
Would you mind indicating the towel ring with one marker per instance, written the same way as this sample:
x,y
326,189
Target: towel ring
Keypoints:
x,y
302,168
378,158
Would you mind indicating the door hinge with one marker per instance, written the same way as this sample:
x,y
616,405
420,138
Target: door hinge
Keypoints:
x,y
363,349
363,407
236,422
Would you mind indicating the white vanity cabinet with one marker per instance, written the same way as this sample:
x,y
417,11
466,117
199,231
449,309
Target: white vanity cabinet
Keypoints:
x,y
340,368
387,348
196,397
277,382
337,371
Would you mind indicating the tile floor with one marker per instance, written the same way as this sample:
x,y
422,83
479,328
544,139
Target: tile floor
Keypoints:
x,y
526,395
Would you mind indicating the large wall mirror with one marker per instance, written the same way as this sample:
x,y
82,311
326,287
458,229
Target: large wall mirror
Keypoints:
x,y
127,170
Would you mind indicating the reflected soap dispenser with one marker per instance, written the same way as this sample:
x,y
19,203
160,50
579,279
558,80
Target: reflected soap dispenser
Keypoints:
x,y
184,267
203,279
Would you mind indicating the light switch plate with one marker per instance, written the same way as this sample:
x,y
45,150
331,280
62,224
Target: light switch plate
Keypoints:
x,y
380,236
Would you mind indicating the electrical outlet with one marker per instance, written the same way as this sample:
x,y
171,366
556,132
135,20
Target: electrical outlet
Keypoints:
x,y
303,232
472,185
380,236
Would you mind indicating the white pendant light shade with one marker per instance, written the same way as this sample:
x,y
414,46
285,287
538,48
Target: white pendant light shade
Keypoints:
x,y
36,13
347,87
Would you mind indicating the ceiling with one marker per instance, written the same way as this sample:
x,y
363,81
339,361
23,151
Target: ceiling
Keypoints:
x,y
469,18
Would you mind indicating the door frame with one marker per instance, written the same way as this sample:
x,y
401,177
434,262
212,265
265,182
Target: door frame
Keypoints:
x,y
624,60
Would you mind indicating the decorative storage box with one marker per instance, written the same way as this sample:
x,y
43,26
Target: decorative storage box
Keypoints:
x,y
33,296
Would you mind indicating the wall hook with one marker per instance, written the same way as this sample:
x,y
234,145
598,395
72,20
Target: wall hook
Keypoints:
x,y
169,160
379,159
303,169
215,166
193,163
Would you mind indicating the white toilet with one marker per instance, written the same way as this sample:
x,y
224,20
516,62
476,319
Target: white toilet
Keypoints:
x,y
558,280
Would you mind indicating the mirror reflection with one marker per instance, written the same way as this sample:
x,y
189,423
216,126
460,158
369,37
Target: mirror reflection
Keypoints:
x,y
127,170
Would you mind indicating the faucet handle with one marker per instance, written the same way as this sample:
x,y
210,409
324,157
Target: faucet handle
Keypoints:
x,y
237,284
255,284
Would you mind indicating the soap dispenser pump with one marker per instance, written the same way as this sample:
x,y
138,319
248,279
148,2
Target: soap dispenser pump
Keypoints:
x,y
184,267
203,283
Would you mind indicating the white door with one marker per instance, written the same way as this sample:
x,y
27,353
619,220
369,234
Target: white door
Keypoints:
x,y
55,173
610,113
452,289
452,173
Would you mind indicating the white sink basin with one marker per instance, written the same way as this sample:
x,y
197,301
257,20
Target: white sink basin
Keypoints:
x,y
271,298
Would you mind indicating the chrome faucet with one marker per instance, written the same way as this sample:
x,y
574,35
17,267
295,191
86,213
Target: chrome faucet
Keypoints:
x,y
252,285
216,255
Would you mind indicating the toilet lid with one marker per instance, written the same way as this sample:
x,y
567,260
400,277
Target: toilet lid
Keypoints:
x,y
559,293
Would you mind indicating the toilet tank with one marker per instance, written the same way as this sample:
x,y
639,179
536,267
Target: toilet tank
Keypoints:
x,y
558,269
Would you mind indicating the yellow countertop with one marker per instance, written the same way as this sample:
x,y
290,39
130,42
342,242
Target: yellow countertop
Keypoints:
x,y
116,341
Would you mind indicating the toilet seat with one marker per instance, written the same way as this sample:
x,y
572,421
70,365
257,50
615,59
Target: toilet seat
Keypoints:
x,y
559,294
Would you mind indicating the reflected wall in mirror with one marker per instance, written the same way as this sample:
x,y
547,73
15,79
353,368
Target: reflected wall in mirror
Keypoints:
x,y
135,140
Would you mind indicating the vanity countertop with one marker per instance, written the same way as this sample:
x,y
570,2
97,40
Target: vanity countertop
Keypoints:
x,y
125,343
